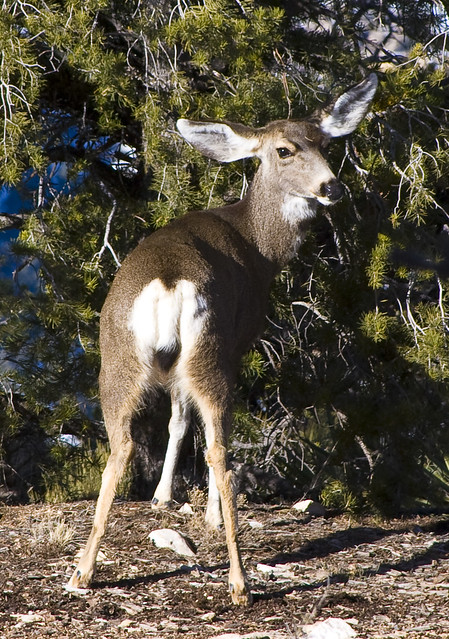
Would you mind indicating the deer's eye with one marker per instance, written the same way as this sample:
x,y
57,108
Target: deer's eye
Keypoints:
x,y
283,152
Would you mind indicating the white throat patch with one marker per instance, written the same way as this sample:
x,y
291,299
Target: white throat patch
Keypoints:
x,y
296,208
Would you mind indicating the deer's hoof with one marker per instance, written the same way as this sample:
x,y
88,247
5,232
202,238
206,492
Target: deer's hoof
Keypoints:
x,y
158,504
241,596
78,583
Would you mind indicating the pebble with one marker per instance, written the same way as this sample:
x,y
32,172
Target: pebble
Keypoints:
x,y
310,506
168,538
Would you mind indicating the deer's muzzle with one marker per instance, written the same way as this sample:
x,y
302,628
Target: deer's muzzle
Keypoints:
x,y
332,190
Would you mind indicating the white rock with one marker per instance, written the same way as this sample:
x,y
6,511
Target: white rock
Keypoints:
x,y
254,523
271,634
310,506
251,635
100,559
82,592
126,623
278,570
186,509
28,618
332,628
168,538
208,616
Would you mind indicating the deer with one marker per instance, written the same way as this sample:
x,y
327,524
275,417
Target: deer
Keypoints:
x,y
192,297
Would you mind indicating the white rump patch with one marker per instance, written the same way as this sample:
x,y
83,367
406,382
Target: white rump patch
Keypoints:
x,y
165,319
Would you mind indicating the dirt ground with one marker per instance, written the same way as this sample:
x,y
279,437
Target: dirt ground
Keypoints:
x,y
385,578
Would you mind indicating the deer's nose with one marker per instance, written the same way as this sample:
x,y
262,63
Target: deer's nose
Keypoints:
x,y
332,190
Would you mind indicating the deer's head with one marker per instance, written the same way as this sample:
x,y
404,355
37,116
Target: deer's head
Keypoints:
x,y
292,152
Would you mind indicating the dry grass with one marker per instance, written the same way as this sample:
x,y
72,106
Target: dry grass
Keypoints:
x,y
52,533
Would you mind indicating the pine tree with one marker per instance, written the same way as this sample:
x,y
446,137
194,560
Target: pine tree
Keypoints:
x,y
345,394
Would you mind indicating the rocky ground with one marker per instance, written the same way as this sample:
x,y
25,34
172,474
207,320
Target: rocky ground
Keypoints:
x,y
384,578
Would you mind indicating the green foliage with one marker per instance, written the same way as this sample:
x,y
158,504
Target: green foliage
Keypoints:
x,y
346,394
20,74
74,474
379,263
375,325
336,495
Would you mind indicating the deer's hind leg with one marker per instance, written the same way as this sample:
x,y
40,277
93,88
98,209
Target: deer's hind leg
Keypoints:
x,y
121,453
211,391
119,401
217,425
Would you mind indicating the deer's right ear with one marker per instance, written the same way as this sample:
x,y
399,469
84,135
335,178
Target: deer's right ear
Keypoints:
x,y
220,141
350,108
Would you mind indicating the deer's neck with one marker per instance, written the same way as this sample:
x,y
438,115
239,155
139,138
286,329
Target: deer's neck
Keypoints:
x,y
271,220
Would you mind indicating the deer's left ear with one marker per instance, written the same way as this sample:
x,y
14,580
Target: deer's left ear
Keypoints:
x,y
350,109
223,141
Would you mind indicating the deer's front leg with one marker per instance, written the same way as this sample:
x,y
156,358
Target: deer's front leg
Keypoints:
x,y
177,427
214,517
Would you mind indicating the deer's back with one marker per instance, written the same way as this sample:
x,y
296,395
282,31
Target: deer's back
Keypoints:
x,y
201,261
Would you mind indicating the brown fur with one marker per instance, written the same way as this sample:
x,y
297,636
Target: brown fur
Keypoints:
x,y
228,257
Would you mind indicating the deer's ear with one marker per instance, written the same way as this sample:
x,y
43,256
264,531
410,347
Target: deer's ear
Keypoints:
x,y
350,109
219,140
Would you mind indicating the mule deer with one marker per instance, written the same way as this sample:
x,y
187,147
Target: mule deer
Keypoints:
x,y
192,297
